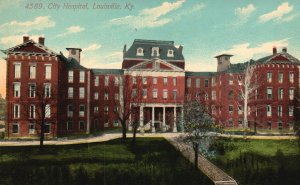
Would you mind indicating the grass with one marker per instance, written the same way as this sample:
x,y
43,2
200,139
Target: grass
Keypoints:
x,y
259,161
150,161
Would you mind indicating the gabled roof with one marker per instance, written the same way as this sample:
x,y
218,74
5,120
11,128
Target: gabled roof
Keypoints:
x,y
147,46
107,71
30,47
155,64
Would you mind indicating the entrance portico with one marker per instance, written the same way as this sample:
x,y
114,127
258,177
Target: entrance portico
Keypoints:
x,y
159,117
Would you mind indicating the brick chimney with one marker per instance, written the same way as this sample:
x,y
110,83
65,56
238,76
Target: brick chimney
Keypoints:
x,y
25,39
42,40
284,49
274,50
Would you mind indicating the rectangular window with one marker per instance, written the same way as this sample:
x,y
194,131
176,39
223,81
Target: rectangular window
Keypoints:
x,y
70,111
70,92
70,76
269,110
15,128
116,81
32,71
144,93
31,111
81,110
144,80
17,67
213,95
96,96
81,92
269,93
240,111
134,80
165,94
269,77
165,81
154,93
97,81
206,96
47,128
280,77
198,82
48,72
206,83
105,96
96,109
280,93
81,76
174,94
291,92
188,82
133,93
291,77
69,125
32,90
47,111
174,81
116,96
106,80
279,110
16,111
230,109
269,125
154,80
116,122
47,90
291,110
230,81
213,81
81,125
17,89
31,128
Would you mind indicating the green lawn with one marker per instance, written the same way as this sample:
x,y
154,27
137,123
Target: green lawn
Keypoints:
x,y
150,161
261,162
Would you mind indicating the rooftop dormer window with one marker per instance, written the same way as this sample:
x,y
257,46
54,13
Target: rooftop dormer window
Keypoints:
x,y
155,52
140,52
170,53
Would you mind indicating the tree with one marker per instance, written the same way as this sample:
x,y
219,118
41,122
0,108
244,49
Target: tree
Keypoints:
x,y
131,97
41,109
199,127
2,108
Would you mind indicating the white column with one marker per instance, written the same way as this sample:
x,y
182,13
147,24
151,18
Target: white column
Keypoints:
x,y
164,119
129,121
175,120
142,119
152,122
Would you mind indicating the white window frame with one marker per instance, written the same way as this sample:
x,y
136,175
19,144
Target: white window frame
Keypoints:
x,y
17,89
81,76
17,70
96,81
188,82
134,80
165,81
279,111
81,92
140,52
175,94
47,111
32,111
116,96
154,93
170,53
16,111
280,77
213,95
269,77
133,94
70,76
12,129
144,79
80,125
197,82
96,95
32,90
70,110
155,52
69,125
106,80
291,110
165,94
32,71
269,110
31,130
291,77
291,93
269,93
174,81
47,90
116,80
48,71
70,92
145,93
81,112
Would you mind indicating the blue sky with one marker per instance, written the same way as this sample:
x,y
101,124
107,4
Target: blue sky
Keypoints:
x,y
245,29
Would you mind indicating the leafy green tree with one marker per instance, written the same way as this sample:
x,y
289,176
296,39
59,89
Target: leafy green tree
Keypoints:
x,y
199,128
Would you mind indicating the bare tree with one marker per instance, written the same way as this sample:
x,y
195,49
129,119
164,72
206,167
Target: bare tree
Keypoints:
x,y
199,127
41,109
131,97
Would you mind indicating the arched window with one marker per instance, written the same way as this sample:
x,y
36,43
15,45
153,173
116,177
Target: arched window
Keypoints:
x,y
155,51
170,53
140,52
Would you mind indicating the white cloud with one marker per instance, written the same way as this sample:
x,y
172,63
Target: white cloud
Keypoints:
x,y
92,47
149,17
71,30
245,11
244,52
15,27
278,14
113,60
13,40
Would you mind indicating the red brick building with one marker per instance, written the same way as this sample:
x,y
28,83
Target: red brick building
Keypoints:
x,y
45,85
